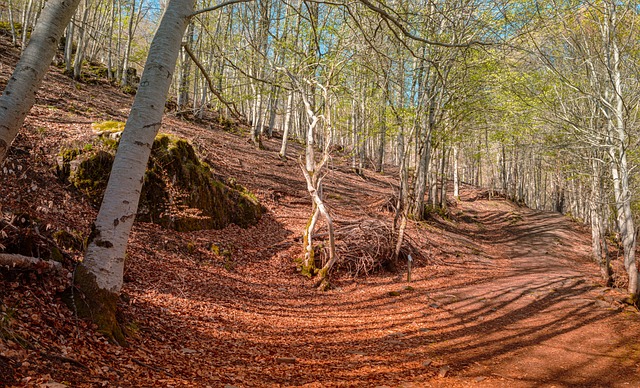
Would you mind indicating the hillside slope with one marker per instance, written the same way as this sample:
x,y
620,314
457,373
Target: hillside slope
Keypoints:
x,y
504,296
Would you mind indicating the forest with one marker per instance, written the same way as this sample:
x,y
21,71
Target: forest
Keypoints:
x,y
318,193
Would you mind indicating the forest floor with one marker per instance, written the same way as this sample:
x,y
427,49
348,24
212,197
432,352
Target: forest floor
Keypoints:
x,y
503,296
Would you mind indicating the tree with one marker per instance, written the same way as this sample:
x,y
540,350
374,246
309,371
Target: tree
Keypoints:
x,y
20,93
100,275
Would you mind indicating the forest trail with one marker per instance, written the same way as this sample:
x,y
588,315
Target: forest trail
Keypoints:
x,y
507,296
542,321
524,309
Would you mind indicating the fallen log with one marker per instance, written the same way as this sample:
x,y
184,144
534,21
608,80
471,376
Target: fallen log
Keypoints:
x,y
14,261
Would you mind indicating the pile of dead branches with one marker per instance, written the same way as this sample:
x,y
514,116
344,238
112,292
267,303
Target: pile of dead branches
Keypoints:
x,y
366,246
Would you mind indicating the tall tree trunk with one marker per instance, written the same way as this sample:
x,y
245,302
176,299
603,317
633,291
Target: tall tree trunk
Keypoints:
x,y
82,43
443,177
110,40
287,125
100,275
381,145
124,79
618,151
14,34
598,243
68,47
20,93
26,21
184,74
456,178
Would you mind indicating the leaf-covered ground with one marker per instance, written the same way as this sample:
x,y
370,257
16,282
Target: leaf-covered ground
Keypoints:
x,y
503,296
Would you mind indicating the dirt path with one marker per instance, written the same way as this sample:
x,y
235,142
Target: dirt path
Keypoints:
x,y
523,309
543,321
526,311
508,298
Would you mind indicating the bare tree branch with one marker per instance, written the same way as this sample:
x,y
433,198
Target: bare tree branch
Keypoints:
x,y
387,17
216,92
215,7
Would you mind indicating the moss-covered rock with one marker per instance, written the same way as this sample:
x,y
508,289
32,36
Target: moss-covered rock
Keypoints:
x,y
90,174
179,191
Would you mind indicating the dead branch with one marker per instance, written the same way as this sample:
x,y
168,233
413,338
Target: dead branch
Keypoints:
x,y
26,263
61,358
232,106
369,245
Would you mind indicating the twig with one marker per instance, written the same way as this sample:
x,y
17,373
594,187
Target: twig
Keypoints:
x,y
155,368
58,357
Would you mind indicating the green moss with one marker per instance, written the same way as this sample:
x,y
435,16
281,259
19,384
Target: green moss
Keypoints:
x,y
128,89
193,200
92,174
179,191
6,27
56,255
63,167
69,240
109,126
99,305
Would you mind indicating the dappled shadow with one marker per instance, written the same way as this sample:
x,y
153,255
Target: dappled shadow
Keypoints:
x,y
361,333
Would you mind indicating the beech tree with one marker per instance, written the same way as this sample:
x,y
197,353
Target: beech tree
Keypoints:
x,y
595,100
20,93
100,275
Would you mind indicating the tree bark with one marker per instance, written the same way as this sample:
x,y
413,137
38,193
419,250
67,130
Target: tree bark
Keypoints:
x,y
82,43
287,125
100,276
127,50
20,93
14,35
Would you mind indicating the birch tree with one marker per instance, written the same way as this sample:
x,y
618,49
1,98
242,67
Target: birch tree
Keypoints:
x,y
20,92
99,277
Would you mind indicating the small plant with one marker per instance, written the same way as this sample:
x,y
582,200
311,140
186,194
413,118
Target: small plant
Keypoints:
x,y
215,249
128,89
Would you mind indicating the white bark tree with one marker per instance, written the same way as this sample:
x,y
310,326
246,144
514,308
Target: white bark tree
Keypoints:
x,y
20,93
100,275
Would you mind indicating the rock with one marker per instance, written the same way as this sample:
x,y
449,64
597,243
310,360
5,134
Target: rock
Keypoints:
x,y
286,360
434,305
188,351
479,379
427,363
179,192
444,371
